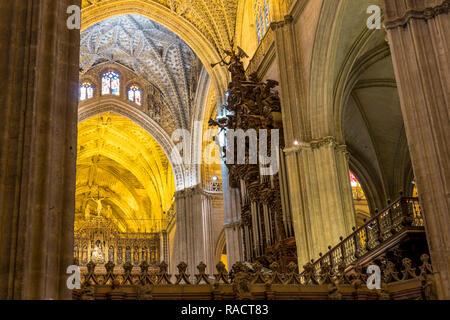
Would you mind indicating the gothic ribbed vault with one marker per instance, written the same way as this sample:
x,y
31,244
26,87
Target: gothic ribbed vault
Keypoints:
x,y
122,164
150,50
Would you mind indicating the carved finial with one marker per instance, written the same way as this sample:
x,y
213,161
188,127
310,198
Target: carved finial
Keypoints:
x,y
182,267
201,267
163,267
221,267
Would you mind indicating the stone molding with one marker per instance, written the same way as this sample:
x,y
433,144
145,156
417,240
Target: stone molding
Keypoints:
x,y
197,190
232,225
425,14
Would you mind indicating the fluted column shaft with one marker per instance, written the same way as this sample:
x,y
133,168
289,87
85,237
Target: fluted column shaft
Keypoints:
x,y
321,198
39,61
315,181
420,46
232,209
193,235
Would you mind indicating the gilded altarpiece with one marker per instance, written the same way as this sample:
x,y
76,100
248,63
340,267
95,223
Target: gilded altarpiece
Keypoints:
x,y
98,240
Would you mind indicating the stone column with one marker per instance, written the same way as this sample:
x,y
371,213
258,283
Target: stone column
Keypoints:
x,y
315,182
420,45
39,61
193,240
321,198
231,201
208,241
291,81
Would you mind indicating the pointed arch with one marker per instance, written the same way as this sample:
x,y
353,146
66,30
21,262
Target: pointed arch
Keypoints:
x,y
200,44
149,125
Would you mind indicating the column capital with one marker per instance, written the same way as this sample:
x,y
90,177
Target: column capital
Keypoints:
x,y
288,19
232,224
189,191
399,15
317,144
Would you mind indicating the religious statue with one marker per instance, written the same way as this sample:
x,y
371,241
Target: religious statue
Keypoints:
x,y
144,254
84,255
108,212
87,212
136,255
99,205
119,255
97,256
235,65
128,254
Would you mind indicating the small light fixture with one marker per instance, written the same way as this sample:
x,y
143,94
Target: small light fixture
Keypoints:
x,y
215,178
296,143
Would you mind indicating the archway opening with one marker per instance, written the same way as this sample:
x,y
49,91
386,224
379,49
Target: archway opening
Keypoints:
x,y
362,209
124,193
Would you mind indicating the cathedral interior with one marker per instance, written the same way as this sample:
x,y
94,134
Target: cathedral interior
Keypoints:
x,y
117,153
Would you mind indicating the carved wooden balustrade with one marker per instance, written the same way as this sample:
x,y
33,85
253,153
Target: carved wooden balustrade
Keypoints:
x,y
376,236
252,281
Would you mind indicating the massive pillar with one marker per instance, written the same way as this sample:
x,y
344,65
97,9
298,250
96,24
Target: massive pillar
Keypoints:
x,y
320,193
420,46
316,174
232,210
193,239
39,63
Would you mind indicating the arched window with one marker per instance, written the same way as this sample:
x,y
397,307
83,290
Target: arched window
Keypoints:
x,y
353,181
359,201
86,91
111,83
262,13
134,94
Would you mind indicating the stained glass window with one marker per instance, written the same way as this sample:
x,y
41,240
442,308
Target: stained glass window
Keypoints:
x,y
86,91
360,203
111,83
134,94
357,190
353,181
262,12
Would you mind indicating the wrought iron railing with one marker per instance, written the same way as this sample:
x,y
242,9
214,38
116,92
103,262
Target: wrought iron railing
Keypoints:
x,y
401,215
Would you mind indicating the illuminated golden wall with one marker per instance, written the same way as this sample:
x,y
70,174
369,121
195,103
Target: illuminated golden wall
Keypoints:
x,y
123,166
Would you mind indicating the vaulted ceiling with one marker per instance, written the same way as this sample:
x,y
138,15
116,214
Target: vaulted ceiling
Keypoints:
x,y
373,125
215,19
122,163
150,50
